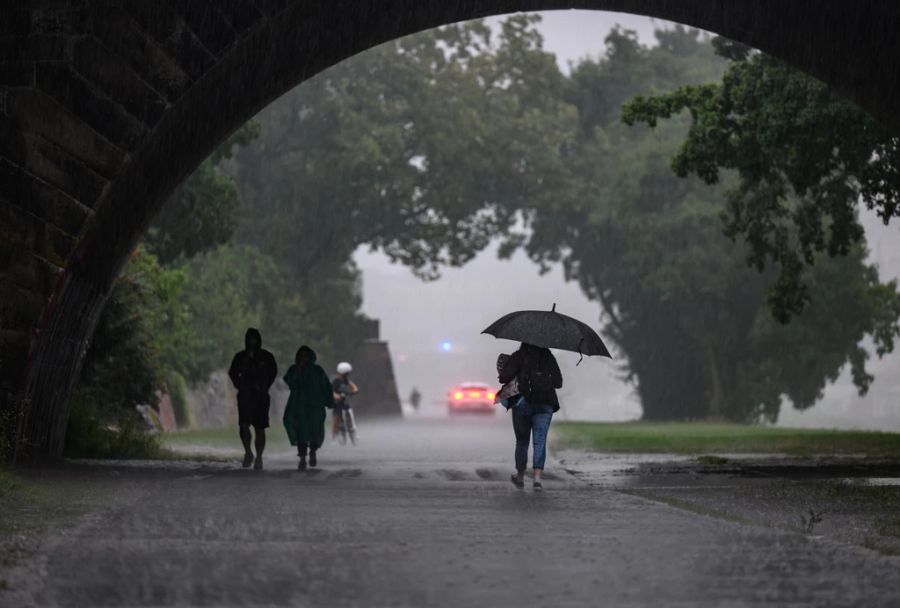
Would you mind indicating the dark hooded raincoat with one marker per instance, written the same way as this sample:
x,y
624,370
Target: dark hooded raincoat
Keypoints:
x,y
311,393
252,373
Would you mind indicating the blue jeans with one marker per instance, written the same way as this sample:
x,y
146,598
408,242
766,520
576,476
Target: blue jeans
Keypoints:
x,y
531,421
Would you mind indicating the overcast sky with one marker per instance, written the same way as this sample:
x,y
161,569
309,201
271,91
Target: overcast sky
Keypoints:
x,y
573,35
417,317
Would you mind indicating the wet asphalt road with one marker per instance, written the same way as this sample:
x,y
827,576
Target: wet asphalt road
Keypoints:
x,y
423,514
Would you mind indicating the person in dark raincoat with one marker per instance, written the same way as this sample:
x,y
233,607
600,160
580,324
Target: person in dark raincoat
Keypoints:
x,y
415,398
536,375
252,371
304,416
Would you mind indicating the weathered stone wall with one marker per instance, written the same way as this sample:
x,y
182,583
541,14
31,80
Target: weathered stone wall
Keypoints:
x,y
213,404
373,372
105,106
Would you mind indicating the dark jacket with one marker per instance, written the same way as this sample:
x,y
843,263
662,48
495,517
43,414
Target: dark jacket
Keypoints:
x,y
343,388
252,376
543,360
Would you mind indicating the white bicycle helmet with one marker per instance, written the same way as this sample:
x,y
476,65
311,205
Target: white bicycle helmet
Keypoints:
x,y
344,368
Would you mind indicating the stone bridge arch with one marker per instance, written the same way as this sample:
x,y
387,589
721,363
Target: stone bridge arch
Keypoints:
x,y
107,105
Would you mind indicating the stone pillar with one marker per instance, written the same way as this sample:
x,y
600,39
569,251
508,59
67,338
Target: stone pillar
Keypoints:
x,y
54,367
373,372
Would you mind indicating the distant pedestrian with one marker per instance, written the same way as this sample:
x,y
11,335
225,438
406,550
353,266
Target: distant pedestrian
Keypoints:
x,y
342,416
252,371
415,398
537,377
304,415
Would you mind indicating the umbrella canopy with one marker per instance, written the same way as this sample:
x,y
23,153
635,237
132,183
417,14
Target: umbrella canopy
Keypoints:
x,y
549,329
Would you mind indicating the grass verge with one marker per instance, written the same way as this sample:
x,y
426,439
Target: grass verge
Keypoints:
x,y
219,439
712,438
849,511
8,483
91,435
35,504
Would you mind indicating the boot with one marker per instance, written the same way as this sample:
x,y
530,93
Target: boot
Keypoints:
x,y
301,452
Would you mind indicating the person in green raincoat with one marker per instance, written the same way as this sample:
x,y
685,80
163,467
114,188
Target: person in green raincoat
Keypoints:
x,y
304,416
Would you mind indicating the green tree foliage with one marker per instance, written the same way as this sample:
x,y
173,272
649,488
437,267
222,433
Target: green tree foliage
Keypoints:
x,y
203,212
804,159
424,148
143,331
201,215
235,287
680,303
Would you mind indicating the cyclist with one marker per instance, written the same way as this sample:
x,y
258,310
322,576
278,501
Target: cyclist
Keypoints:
x,y
342,417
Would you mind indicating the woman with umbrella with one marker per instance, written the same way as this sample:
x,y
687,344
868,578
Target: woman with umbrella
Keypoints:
x,y
537,376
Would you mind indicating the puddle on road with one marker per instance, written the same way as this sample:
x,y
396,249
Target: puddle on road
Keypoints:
x,y
872,481
656,471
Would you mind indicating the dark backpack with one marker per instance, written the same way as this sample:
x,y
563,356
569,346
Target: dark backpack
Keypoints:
x,y
535,384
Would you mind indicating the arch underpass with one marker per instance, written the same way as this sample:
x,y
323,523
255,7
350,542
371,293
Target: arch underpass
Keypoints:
x,y
105,107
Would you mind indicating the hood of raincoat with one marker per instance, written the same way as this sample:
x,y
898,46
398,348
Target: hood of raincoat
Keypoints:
x,y
306,349
252,334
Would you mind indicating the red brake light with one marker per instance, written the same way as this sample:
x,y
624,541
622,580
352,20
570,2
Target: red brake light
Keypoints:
x,y
475,395
491,396
458,395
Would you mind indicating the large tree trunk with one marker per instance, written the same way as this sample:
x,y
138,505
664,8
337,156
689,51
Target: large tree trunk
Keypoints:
x,y
676,389
672,379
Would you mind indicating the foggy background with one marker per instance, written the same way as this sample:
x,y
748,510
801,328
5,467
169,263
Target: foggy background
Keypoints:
x,y
417,318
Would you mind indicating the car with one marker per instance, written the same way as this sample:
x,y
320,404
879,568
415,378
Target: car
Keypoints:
x,y
471,397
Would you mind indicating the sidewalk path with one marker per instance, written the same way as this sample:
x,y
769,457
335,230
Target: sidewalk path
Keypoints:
x,y
422,514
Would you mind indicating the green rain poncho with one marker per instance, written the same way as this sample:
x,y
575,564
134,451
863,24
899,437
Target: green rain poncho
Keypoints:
x,y
311,393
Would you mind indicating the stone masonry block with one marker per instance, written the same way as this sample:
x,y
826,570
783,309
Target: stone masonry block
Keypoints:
x,y
16,74
207,24
69,20
38,113
240,14
118,32
38,198
20,267
115,78
104,115
28,232
272,7
20,308
33,48
50,163
164,25
16,22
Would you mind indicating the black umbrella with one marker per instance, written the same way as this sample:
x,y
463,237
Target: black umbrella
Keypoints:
x,y
549,329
